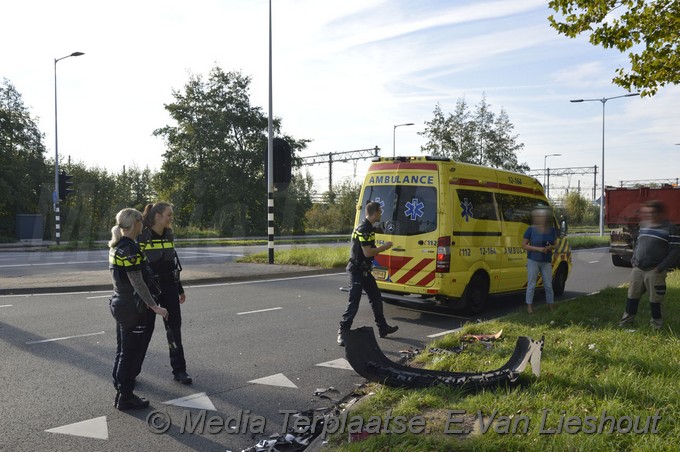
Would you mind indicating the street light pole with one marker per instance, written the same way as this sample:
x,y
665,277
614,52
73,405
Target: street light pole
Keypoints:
x,y
55,194
604,101
394,136
545,157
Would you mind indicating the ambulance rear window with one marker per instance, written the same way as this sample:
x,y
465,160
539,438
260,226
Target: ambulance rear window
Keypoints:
x,y
407,209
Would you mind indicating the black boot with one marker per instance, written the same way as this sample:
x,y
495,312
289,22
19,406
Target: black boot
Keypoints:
x,y
130,402
631,311
385,330
183,378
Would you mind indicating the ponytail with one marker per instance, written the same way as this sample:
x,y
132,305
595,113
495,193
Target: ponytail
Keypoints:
x,y
125,219
116,234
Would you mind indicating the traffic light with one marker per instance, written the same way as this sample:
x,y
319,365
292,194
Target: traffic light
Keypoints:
x,y
282,156
64,184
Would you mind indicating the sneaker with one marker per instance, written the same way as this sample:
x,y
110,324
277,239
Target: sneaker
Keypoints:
x,y
131,402
656,324
388,330
341,340
626,320
183,378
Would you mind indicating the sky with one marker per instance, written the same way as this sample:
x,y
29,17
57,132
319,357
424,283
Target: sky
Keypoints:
x,y
344,74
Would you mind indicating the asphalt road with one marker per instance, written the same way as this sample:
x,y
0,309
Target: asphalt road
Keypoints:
x,y
57,350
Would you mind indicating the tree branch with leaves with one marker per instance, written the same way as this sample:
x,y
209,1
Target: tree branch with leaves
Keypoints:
x,y
648,30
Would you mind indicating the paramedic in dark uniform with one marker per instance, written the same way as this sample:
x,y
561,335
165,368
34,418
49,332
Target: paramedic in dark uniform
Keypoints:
x,y
362,252
157,243
130,304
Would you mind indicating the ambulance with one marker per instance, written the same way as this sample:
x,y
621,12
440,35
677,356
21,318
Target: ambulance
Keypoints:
x,y
456,230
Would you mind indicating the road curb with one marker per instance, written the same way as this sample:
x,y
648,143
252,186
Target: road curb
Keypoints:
x,y
264,276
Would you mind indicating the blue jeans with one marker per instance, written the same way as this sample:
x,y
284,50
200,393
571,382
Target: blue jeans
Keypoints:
x,y
533,269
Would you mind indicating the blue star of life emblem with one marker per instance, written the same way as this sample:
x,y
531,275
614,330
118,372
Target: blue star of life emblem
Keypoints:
x,y
467,209
414,209
381,202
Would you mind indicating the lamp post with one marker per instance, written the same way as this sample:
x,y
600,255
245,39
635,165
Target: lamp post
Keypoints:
x,y
545,157
394,136
55,194
604,101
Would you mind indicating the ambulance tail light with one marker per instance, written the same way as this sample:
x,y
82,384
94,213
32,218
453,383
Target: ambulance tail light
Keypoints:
x,y
444,254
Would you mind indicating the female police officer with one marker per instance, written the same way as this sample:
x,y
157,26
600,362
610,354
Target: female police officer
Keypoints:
x,y
129,303
157,243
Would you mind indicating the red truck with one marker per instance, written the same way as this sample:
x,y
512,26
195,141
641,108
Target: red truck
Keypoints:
x,y
622,214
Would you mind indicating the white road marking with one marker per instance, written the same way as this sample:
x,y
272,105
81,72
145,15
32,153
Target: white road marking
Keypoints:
x,y
99,296
199,401
238,283
593,262
92,428
275,380
63,338
259,310
444,333
5,306
340,363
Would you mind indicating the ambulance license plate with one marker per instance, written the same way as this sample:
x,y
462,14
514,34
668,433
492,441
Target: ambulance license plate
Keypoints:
x,y
379,273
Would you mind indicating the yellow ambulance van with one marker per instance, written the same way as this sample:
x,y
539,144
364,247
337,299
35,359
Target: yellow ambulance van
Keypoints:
x,y
456,230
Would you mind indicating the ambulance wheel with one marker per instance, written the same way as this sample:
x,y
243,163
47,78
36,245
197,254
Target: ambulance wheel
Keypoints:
x,y
559,281
476,294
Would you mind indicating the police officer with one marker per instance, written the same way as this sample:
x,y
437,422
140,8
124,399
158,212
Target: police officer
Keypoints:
x,y
157,243
359,268
130,304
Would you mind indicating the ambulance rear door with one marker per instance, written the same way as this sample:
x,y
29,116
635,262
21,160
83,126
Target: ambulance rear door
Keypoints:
x,y
408,196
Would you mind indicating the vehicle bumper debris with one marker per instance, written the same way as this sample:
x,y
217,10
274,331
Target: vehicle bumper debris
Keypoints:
x,y
368,360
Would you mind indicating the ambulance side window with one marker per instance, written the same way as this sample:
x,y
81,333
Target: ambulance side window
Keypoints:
x,y
517,208
478,204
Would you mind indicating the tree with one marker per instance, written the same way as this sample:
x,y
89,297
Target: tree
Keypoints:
x,y
579,210
649,29
213,169
484,139
336,215
23,172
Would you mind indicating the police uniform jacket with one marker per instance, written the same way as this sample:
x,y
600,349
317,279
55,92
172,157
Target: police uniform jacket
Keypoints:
x,y
125,257
162,257
363,235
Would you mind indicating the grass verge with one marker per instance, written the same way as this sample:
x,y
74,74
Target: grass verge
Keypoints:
x,y
599,384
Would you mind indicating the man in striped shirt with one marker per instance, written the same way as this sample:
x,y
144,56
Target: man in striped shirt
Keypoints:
x,y
657,250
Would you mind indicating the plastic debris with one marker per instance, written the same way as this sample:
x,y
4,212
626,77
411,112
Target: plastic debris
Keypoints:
x,y
296,440
481,337
367,359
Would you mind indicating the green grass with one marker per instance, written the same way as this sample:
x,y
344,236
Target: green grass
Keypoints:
x,y
587,241
321,256
336,256
589,366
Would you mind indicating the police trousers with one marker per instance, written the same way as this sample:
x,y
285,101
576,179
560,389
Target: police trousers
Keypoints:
x,y
169,299
131,348
363,280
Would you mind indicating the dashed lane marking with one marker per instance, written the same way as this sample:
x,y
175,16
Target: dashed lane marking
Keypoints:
x,y
63,338
6,306
259,310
